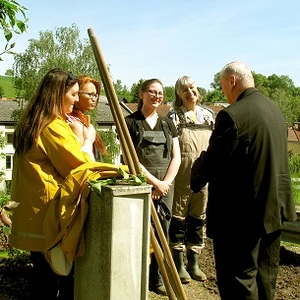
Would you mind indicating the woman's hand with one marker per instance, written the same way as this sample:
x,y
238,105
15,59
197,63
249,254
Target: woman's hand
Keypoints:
x,y
161,188
89,136
89,133
5,218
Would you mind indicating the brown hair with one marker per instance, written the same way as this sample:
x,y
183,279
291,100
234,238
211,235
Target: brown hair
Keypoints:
x,y
144,87
43,108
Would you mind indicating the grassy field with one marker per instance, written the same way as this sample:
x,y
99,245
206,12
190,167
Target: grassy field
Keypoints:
x,y
8,87
296,190
3,254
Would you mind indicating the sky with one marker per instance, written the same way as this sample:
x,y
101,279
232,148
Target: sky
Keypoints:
x,y
167,39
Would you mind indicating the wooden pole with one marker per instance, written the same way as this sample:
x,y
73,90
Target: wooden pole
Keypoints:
x,y
167,267
125,139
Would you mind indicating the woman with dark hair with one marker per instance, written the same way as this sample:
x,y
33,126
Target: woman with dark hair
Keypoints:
x,y
46,151
89,91
156,142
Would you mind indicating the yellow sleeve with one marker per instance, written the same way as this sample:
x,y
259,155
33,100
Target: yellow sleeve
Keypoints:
x,y
62,147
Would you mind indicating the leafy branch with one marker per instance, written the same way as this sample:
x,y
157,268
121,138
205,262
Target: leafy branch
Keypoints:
x,y
9,22
97,185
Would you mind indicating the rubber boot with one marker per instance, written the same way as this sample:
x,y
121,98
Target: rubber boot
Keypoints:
x,y
156,284
179,263
193,266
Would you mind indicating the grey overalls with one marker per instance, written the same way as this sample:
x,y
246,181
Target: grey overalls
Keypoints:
x,y
154,150
188,208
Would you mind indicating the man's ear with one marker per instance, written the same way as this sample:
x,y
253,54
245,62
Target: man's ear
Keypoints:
x,y
232,80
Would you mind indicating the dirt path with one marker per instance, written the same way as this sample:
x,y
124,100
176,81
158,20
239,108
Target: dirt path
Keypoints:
x,y
14,278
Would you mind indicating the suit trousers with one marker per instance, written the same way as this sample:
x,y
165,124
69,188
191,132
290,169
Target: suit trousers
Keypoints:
x,y
246,266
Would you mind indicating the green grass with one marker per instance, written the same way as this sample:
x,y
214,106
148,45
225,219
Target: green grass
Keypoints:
x,y
6,83
3,254
296,191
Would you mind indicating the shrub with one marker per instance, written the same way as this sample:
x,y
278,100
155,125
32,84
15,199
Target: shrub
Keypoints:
x,y
294,162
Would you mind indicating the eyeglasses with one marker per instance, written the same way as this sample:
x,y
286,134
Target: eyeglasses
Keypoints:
x,y
155,93
91,95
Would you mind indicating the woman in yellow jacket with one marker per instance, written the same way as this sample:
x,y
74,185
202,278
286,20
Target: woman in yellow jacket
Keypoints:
x,y
46,151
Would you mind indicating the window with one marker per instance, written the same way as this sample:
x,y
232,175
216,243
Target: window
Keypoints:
x,y
9,162
9,138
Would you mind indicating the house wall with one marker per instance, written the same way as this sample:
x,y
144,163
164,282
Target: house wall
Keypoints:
x,y
6,160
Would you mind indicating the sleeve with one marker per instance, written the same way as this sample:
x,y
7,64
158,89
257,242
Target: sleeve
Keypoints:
x,y
223,142
131,125
62,147
224,138
199,173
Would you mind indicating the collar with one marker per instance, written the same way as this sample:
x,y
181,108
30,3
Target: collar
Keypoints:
x,y
246,93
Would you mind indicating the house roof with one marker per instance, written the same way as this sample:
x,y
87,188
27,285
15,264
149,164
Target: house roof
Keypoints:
x,y
293,134
104,114
7,107
103,117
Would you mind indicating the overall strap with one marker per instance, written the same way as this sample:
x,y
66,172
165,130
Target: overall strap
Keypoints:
x,y
140,132
184,124
181,116
182,121
167,133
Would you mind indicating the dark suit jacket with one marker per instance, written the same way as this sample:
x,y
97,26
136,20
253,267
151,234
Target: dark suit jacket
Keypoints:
x,y
246,165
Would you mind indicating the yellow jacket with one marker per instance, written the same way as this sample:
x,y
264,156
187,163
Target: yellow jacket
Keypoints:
x,y
37,175
66,215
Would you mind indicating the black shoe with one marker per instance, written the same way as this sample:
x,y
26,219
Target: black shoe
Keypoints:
x,y
158,289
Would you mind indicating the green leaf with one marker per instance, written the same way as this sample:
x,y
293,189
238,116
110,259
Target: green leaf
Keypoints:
x,y
8,35
96,185
21,25
124,174
136,180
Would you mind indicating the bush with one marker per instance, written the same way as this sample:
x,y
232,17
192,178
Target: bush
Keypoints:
x,y
294,162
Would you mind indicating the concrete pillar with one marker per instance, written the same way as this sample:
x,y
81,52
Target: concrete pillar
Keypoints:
x,y
116,262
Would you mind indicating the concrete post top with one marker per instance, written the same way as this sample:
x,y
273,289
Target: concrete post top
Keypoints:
x,y
127,189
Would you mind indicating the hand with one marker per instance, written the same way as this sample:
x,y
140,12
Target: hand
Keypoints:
x,y
155,195
162,187
5,218
90,133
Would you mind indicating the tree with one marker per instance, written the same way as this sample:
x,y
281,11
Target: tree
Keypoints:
x,y
261,83
216,84
109,138
169,93
203,94
9,22
215,95
134,93
9,72
121,90
62,48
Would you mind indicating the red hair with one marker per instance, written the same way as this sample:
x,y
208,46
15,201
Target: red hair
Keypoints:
x,y
82,117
